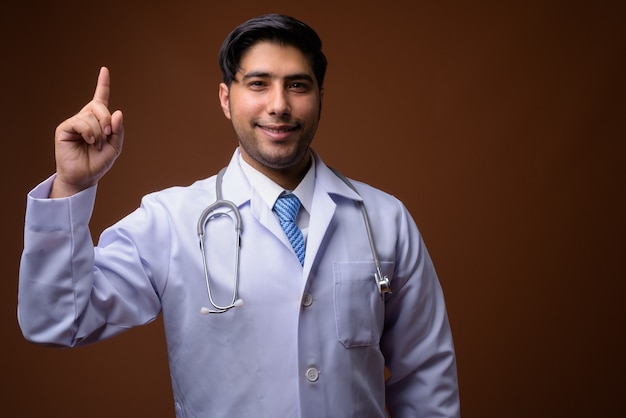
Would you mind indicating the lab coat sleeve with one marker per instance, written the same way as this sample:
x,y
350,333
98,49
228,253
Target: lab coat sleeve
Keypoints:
x,y
69,292
417,342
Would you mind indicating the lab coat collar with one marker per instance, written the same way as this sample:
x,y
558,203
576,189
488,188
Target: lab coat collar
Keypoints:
x,y
236,186
333,185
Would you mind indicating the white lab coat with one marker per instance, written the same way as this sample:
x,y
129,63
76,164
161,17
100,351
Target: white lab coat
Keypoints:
x,y
309,341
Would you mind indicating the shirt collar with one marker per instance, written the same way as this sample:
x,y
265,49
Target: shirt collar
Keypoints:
x,y
270,191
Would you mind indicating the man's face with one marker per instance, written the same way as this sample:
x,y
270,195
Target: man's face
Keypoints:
x,y
274,105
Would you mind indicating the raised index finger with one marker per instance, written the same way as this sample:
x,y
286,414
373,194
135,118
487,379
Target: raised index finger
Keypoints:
x,y
103,87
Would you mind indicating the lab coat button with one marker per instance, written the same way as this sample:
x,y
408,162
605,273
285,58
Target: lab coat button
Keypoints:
x,y
307,300
312,374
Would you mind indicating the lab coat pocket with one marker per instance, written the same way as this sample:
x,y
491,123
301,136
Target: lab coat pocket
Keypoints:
x,y
359,307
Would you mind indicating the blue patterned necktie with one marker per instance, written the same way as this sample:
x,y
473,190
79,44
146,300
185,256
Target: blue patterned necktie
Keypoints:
x,y
286,207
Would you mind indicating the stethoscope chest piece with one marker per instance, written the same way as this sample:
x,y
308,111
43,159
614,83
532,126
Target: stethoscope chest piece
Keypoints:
x,y
383,283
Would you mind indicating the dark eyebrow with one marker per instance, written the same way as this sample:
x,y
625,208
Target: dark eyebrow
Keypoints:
x,y
295,77
291,77
255,74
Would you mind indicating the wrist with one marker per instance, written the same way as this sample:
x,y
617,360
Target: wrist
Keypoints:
x,y
62,189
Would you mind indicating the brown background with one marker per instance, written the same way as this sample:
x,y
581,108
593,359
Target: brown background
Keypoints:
x,y
500,126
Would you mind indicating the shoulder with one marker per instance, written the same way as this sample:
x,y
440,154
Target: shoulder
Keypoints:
x,y
340,185
376,198
200,192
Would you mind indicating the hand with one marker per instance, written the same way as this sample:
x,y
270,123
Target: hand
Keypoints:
x,y
88,143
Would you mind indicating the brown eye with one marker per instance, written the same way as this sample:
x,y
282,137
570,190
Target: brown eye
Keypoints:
x,y
256,85
299,87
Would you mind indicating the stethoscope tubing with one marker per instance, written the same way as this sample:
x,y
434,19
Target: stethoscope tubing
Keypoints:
x,y
205,217
382,282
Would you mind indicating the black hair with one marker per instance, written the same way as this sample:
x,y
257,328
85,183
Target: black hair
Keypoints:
x,y
278,28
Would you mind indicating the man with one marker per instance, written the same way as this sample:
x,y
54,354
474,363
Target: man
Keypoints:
x,y
285,332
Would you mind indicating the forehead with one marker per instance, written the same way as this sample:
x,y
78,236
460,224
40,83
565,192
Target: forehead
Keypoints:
x,y
274,59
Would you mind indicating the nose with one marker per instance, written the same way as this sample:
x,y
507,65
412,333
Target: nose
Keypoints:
x,y
278,101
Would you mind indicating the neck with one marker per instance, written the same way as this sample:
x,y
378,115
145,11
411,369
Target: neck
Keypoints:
x,y
287,178
290,179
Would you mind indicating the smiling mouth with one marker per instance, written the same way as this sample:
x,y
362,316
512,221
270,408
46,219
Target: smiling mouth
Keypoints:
x,y
278,133
278,130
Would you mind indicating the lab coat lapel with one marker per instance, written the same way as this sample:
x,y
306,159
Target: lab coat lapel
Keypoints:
x,y
266,217
327,184
322,213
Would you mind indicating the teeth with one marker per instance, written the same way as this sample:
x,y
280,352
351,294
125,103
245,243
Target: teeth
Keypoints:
x,y
278,131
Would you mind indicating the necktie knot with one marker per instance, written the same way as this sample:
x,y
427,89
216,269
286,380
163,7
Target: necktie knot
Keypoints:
x,y
287,207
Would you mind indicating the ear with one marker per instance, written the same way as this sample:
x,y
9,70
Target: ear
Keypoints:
x,y
224,94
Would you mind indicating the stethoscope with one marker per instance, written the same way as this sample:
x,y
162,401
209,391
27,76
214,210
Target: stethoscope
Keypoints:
x,y
382,281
